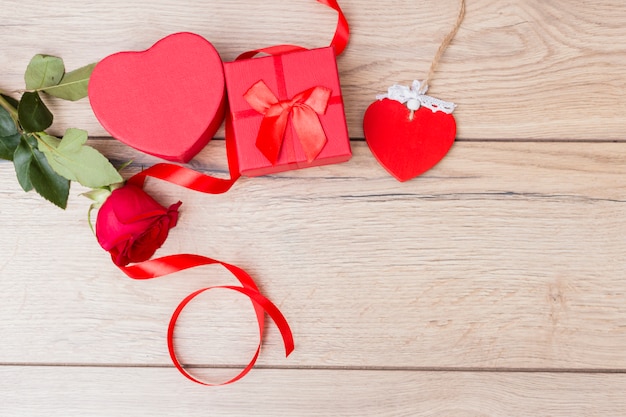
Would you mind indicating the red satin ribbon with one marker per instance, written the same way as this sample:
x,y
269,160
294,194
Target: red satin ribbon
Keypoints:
x,y
159,267
342,33
339,41
191,179
303,107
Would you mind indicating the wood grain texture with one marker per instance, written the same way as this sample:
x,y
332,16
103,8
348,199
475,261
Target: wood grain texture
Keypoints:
x,y
158,392
492,285
518,70
465,267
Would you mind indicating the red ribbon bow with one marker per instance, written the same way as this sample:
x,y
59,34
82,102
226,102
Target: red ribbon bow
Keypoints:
x,y
304,108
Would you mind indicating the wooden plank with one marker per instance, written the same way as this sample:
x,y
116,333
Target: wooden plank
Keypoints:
x,y
507,255
529,70
56,391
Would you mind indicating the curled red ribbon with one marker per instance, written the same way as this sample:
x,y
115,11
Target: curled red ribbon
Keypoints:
x,y
342,33
339,41
159,267
303,108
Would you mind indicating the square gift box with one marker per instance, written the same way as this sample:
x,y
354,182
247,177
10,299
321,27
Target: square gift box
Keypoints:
x,y
287,111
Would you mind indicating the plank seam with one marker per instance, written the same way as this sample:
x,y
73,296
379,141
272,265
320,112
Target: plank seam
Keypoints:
x,y
332,368
470,140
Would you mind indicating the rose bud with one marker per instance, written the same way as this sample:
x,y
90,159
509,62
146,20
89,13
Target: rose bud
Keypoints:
x,y
131,225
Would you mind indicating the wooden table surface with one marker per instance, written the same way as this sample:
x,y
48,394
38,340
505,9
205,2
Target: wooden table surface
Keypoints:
x,y
493,285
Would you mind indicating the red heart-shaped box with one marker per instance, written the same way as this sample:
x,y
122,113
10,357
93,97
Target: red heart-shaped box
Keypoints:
x,y
407,147
166,101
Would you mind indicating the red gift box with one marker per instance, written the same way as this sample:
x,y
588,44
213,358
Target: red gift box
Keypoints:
x,y
287,111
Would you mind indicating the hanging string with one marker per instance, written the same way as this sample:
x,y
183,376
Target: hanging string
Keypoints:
x,y
446,42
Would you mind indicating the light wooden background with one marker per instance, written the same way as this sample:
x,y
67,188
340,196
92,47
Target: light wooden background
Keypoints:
x,y
494,285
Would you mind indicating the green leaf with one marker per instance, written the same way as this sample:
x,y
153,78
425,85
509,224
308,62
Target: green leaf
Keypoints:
x,y
33,114
8,145
32,163
73,85
7,125
21,160
48,183
74,160
43,71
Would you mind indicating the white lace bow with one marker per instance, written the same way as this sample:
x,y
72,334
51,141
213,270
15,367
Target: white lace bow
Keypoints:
x,y
415,96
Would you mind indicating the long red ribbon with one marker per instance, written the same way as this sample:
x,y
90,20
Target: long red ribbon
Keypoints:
x,y
194,180
339,41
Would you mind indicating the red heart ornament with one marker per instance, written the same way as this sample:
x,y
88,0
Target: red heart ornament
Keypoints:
x,y
404,147
166,101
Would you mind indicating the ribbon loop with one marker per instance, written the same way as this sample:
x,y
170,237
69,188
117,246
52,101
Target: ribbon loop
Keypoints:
x,y
166,265
342,32
304,108
339,41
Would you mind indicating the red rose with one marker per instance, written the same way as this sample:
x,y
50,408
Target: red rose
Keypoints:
x,y
131,225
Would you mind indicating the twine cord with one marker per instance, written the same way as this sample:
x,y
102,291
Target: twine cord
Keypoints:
x,y
415,96
445,43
